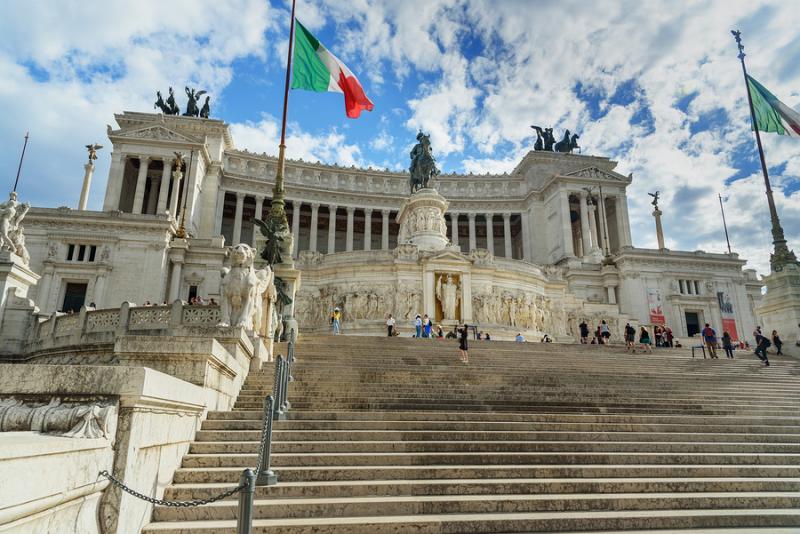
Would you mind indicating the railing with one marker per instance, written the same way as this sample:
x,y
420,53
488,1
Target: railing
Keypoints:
x,y
98,326
275,407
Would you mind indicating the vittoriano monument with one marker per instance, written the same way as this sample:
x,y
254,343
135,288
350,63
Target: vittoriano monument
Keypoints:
x,y
423,165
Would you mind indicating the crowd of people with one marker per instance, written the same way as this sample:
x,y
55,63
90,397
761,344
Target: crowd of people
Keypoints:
x,y
640,339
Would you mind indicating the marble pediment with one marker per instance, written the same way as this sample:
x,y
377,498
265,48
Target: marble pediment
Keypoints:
x,y
156,132
596,173
449,255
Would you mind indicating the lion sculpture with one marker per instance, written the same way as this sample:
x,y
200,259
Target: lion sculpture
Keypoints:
x,y
242,289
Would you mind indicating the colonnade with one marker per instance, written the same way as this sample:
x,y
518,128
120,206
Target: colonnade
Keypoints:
x,y
162,188
593,229
230,221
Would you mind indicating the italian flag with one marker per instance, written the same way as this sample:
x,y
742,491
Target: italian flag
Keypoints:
x,y
314,68
772,115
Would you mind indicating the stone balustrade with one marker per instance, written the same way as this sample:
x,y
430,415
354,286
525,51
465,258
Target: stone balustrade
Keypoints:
x,y
103,326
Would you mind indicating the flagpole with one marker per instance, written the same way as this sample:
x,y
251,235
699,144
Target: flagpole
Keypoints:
x,y
21,157
782,255
277,214
724,224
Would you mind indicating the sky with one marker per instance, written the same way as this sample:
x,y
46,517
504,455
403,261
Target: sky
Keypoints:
x,y
654,85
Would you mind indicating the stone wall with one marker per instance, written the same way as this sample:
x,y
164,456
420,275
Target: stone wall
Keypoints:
x,y
51,482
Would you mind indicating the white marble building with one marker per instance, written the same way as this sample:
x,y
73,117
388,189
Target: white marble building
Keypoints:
x,y
536,250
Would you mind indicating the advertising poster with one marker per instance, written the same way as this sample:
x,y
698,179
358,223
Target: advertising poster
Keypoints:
x,y
728,317
655,305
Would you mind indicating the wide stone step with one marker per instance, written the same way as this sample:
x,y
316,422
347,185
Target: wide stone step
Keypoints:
x,y
494,458
230,475
490,487
505,446
471,504
511,522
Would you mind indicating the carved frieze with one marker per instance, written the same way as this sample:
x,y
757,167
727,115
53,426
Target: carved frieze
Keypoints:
x,y
70,419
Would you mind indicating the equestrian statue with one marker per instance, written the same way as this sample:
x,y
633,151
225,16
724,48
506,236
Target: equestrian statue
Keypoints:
x,y
423,164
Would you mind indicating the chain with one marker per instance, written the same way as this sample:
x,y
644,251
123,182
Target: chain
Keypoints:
x,y
175,504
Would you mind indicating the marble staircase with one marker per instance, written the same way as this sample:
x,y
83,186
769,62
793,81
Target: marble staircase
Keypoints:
x,y
396,435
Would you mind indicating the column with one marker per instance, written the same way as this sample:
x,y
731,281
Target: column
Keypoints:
x,y
138,197
659,229
620,223
87,182
155,184
490,232
626,224
593,225
586,240
237,221
218,212
454,228
177,175
332,229
312,241
507,235
368,229
527,251
116,174
259,209
295,226
163,191
175,281
472,242
566,223
603,227
349,242
385,230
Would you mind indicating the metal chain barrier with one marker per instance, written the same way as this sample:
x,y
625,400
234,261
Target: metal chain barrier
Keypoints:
x,y
275,407
174,504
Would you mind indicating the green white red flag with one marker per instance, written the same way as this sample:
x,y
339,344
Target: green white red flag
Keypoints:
x,y
315,68
772,115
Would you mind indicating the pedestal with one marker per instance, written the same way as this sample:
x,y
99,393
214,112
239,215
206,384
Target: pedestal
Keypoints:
x,y
291,279
421,220
16,309
780,307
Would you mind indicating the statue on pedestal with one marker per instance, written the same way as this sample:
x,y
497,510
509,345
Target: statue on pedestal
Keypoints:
x,y
423,164
448,295
242,289
11,215
655,199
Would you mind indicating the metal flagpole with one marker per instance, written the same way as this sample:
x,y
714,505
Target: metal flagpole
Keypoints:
x,y
724,224
21,157
277,214
782,255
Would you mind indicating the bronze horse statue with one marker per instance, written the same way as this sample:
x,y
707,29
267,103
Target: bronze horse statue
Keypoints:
x,y
423,164
567,144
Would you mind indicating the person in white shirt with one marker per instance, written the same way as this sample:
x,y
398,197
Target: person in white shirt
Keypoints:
x,y
390,326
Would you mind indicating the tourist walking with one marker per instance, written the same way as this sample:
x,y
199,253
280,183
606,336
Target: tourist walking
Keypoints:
x,y
630,337
727,344
462,343
390,326
418,326
584,328
710,339
605,333
776,340
426,326
669,336
644,339
519,338
658,333
761,349
336,318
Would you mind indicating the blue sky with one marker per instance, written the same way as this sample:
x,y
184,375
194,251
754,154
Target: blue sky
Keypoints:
x,y
655,85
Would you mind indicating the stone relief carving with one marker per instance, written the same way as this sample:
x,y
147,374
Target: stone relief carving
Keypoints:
x,y
406,251
356,301
309,257
70,419
157,132
482,256
242,288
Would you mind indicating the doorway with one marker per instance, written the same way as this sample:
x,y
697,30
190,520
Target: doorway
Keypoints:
x,y
74,297
692,324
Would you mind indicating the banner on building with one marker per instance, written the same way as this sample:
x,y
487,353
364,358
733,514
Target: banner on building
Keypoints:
x,y
728,317
655,305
